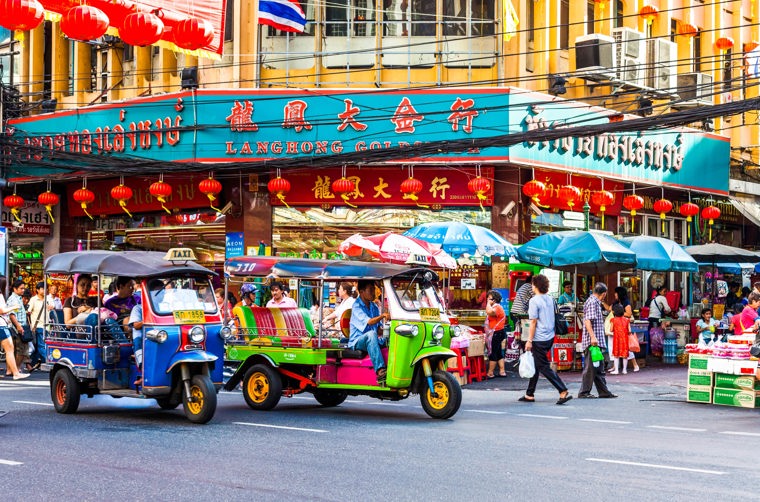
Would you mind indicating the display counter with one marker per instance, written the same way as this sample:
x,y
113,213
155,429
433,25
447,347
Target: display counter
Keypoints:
x,y
727,376
473,318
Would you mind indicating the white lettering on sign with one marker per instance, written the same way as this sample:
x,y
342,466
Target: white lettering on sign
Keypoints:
x,y
34,219
620,148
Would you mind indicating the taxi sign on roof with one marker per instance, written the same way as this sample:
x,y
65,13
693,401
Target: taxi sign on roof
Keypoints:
x,y
180,254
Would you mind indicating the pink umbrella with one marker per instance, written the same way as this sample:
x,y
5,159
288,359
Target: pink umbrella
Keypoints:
x,y
396,248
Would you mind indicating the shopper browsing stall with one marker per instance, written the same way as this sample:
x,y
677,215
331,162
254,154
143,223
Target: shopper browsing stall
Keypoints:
x,y
706,326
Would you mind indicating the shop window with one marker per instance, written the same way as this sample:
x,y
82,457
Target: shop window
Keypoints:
x,y
10,64
590,6
403,18
727,69
344,17
619,9
229,13
696,47
531,36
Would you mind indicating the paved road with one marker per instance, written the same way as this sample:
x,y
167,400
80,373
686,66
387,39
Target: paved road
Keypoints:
x,y
649,444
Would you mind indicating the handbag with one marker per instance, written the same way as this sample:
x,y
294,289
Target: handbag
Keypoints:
x,y
560,324
633,343
27,335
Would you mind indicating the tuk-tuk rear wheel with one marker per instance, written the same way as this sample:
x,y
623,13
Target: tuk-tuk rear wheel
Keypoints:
x,y
202,405
65,392
262,387
447,399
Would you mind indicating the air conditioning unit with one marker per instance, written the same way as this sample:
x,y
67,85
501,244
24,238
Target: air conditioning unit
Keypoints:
x,y
662,61
629,56
595,57
695,88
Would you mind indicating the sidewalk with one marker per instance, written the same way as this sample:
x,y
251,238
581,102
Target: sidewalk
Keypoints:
x,y
654,375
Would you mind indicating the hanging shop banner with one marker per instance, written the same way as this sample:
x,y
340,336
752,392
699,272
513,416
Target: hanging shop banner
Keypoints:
x,y
185,195
34,219
382,187
554,180
264,124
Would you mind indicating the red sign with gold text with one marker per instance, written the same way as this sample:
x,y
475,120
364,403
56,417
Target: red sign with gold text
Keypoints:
x,y
382,187
554,180
185,195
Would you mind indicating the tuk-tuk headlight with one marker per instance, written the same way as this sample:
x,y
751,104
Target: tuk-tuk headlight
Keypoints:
x,y
410,330
157,335
456,330
197,335
438,332
225,333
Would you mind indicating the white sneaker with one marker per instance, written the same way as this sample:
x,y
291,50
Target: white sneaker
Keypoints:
x,y
21,376
625,372
636,369
613,372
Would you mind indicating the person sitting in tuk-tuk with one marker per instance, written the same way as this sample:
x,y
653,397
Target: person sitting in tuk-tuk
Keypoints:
x,y
248,295
280,297
124,300
365,320
81,302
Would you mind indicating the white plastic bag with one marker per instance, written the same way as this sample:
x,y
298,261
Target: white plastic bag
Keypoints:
x,y
527,367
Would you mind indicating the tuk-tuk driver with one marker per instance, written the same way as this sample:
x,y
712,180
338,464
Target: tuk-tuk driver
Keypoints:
x,y
365,321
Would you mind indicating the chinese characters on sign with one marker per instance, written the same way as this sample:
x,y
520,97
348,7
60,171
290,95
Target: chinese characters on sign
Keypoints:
x,y
439,190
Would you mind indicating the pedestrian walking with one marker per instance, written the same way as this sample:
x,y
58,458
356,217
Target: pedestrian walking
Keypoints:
x,y
19,321
37,309
593,335
6,338
541,310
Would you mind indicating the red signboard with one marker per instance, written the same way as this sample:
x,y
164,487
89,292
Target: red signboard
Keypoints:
x,y
554,180
185,195
382,187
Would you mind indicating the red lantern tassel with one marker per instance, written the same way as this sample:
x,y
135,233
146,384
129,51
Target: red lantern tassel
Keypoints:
x,y
123,205
15,213
84,208
49,210
211,200
345,196
281,198
162,200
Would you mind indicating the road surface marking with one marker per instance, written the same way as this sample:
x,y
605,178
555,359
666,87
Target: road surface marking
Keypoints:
x,y
734,433
596,420
354,401
658,466
488,412
553,417
33,402
666,428
279,427
10,382
10,462
382,403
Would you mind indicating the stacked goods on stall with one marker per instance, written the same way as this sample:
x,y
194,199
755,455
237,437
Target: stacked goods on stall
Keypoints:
x,y
724,373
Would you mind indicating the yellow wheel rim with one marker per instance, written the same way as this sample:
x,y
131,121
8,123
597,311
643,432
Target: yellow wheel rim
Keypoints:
x,y
196,404
258,387
442,400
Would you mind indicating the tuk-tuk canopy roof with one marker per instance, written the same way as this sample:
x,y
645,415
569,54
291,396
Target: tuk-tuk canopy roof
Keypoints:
x,y
302,268
128,263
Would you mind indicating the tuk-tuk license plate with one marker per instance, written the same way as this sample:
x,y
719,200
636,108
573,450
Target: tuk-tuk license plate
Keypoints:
x,y
430,314
189,316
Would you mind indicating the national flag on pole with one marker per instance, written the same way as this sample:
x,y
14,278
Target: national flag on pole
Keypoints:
x,y
753,63
510,20
285,15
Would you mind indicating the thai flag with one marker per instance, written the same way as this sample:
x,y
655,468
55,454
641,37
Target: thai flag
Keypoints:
x,y
285,15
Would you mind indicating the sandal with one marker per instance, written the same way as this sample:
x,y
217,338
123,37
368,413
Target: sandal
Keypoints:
x,y
525,399
503,375
489,376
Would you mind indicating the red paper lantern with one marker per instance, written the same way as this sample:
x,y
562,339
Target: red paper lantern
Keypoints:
x,y
410,187
480,187
21,15
648,13
535,190
570,195
211,188
710,213
688,210
279,187
663,206
633,203
141,28
602,198
122,193
84,23
193,33
84,196
687,30
49,199
14,202
161,191
343,187
724,43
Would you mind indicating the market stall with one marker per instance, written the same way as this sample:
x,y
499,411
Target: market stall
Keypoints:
x,y
724,374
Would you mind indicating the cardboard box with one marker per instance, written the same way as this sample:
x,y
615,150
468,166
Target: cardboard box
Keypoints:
x,y
699,394
745,382
743,367
736,397
698,361
701,378
719,365
477,347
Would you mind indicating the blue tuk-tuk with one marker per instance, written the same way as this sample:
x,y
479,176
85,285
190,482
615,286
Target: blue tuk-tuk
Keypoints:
x,y
182,339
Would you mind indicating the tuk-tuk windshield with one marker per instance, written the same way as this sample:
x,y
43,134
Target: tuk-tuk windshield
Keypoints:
x,y
174,294
412,295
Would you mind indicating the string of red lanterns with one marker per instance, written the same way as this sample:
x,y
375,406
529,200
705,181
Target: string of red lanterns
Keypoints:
x,y
84,22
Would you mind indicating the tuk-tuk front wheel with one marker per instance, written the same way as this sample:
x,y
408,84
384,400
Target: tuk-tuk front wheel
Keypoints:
x,y
65,391
448,396
329,397
201,404
262,387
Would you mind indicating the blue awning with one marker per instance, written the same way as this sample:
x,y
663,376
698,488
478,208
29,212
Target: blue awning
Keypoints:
x,y
732,268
